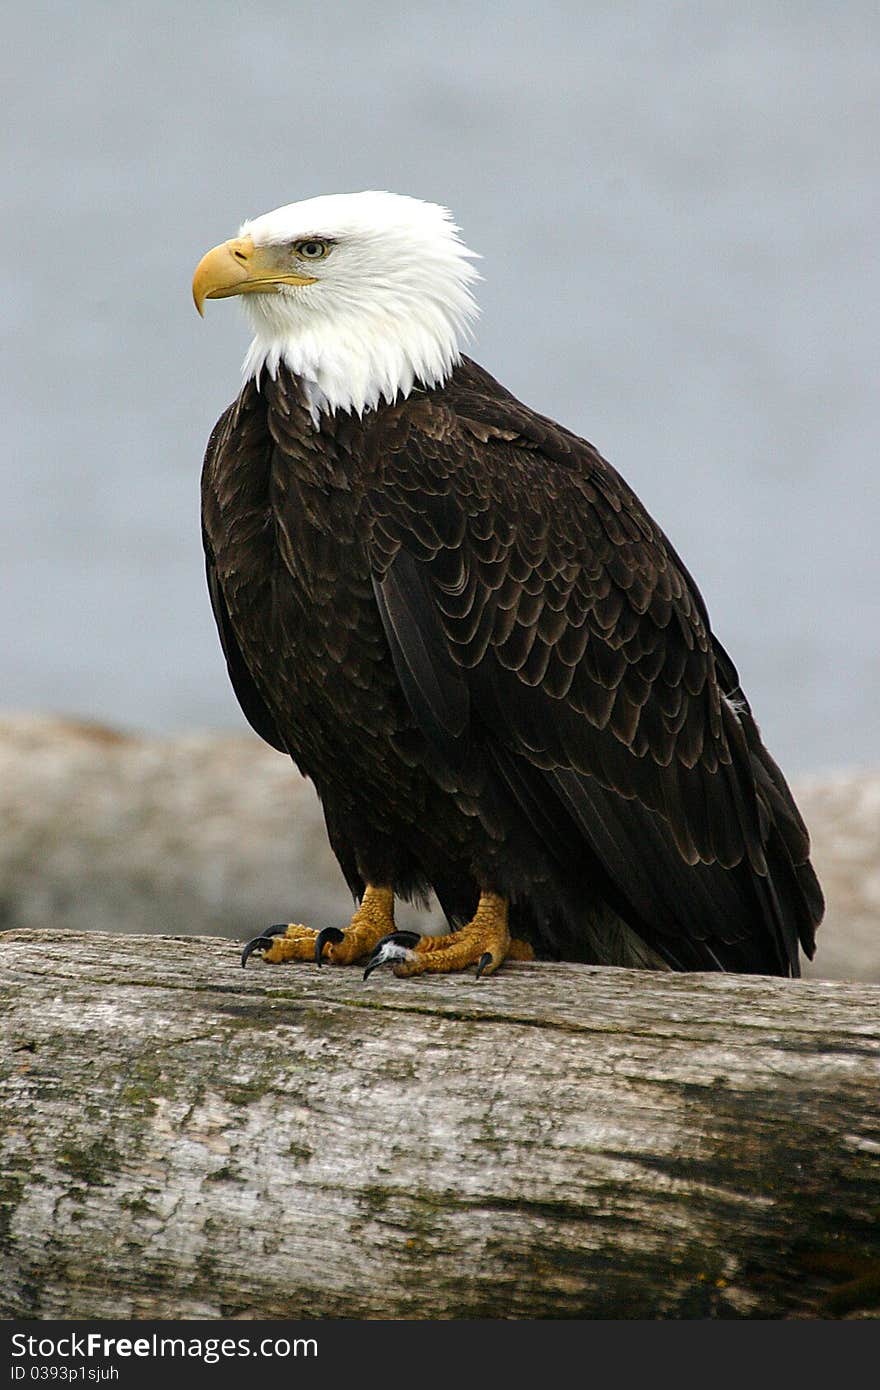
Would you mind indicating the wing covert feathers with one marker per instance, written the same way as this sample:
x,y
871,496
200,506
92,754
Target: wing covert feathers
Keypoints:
x,y
529,597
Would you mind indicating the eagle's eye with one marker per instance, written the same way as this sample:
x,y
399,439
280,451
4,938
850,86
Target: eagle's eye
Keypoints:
x,y
312,249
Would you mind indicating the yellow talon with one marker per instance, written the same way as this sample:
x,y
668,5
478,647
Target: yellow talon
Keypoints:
x,y
372,920
485,942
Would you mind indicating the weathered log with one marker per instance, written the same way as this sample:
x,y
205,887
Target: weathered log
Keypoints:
x,y
184,1139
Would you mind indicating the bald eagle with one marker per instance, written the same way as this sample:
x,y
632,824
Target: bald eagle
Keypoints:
x,y
460,623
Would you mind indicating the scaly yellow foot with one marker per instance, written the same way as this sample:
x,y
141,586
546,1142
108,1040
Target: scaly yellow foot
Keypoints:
x,y
373,920
485,942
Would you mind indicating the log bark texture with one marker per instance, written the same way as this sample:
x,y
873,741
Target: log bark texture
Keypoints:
x,y
183,1139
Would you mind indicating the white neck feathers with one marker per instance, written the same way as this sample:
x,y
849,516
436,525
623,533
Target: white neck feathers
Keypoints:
x,y
392,307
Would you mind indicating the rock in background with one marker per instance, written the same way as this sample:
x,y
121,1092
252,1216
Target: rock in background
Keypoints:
x,y
217,834
199,834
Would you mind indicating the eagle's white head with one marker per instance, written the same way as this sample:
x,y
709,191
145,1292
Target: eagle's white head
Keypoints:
x,y
362,295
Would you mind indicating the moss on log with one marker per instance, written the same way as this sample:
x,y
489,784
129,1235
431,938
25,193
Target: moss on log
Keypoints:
x,y
183,1139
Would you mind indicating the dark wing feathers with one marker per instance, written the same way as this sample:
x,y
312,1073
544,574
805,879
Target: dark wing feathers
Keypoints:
x,y
523,587
253,706
435,690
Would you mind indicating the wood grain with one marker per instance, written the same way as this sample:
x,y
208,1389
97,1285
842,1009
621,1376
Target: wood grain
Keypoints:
x,y
184,1139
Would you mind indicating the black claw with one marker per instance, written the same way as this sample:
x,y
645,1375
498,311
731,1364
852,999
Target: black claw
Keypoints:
x,y
485,959
262,941
409,939
332,934
373,961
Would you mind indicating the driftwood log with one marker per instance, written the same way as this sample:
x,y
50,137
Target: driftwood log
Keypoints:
x,y
184,1139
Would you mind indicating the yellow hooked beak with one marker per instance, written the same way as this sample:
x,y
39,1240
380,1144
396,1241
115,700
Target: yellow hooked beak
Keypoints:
x,y
239,267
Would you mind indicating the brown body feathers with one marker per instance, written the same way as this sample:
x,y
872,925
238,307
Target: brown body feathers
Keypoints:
x,y
460,622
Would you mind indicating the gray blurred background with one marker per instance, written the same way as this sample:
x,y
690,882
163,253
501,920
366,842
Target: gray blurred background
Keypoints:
x,y
677,209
